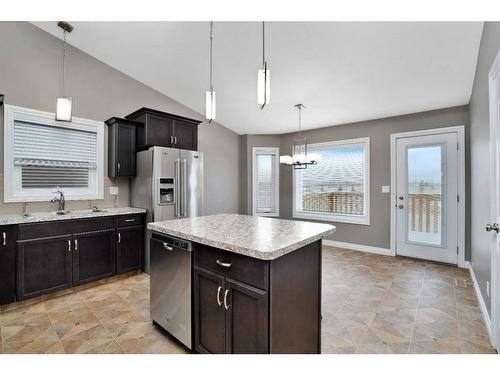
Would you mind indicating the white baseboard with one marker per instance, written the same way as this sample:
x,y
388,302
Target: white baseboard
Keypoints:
x,y
357,247
482,305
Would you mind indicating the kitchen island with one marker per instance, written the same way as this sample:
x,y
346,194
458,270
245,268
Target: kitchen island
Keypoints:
x,y
256,282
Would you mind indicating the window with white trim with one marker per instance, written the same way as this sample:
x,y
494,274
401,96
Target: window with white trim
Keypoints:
x,y
265,181
338,187
43,155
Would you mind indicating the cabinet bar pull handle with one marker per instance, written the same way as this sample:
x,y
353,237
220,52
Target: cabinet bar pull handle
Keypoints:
x,y
118,167
76,245
167,247
226,306
4,237
175,140
171,140
129,220
69,246
119,237
219,302
223,264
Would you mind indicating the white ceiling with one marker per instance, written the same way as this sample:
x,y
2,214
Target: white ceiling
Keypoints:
x,y
341,71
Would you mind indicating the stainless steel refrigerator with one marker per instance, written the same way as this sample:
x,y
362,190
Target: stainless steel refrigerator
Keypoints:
x,y
169,185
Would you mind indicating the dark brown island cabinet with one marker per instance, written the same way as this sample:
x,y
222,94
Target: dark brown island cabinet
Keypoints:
x,y
122,147
248,305
165,129
45,257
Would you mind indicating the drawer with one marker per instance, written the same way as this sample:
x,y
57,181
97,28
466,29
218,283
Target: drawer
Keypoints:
x,y
251,271
56,228
129,220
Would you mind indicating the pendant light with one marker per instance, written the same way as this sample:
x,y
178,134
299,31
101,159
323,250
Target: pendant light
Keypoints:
x,y
64,106
300,159
210,94
263,75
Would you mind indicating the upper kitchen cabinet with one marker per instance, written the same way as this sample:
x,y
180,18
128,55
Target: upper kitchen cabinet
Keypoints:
x,y
121,147
165,129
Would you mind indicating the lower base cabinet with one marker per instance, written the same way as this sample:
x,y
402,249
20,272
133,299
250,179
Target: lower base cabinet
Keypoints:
x,y
43,266
8,237
93,256
129,244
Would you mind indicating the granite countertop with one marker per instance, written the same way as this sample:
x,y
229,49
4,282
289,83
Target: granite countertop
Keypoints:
x,y
257,237
72,214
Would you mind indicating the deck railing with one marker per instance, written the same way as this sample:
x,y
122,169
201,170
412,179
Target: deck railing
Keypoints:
x,y
424,213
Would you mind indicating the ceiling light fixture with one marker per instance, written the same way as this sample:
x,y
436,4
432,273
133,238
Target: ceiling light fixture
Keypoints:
x,y
263,75
300,159
64,106
210,95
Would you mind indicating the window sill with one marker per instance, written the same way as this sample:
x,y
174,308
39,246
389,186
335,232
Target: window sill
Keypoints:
x,y
266,214
348,219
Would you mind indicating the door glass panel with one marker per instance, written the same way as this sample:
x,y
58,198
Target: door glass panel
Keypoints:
x,y
425,195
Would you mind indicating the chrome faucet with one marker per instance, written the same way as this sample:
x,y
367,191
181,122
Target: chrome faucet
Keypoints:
x,y
61,201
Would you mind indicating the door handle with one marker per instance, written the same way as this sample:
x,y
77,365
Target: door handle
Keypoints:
x,y
223,264
118,167
76,244
493,227
4,238
184,188
166,246
177,188
226,306
69,246
219,302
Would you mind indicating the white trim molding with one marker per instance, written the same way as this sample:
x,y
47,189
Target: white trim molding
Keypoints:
x,y
482,305
358,247
12,194
338,217
269,151
460,131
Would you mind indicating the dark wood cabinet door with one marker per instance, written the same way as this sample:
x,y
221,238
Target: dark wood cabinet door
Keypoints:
x,y
209,315
43,266
246,319
186,135
8,237
93,256
159,131
125,150
129,249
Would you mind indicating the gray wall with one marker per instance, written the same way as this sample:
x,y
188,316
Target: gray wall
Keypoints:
x,y
30,63
480,159
378,232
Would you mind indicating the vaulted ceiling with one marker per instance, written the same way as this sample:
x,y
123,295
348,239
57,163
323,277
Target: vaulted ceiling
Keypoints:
x,y
341,71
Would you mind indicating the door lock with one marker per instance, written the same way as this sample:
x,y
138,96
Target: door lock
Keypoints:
x,y
493,227
400,206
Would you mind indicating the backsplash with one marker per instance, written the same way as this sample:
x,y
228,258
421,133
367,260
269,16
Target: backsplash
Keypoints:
x,y
120,200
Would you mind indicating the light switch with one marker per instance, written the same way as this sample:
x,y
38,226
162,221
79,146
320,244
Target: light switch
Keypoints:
x,y
386,189
113,190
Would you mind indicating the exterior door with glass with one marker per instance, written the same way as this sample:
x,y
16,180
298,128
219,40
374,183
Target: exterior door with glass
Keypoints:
x,y
427,197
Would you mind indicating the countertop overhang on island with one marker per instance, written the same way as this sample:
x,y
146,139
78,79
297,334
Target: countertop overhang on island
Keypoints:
x,y
253,236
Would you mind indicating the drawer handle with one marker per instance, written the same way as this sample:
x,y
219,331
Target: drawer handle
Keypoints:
x,y
223,264
167,247
129,220
4,236
226,306
119,237
219,302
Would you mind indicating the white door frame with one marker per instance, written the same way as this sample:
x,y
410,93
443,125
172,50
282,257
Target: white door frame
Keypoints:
x,y
495,261
460,131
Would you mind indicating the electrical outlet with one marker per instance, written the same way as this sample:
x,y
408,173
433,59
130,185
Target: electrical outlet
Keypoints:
x,y
488,288
386,189
113,190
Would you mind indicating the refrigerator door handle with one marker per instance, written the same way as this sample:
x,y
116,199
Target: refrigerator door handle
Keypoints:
x,y
184,188
177,193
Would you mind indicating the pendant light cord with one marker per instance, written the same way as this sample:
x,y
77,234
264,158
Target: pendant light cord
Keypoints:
x,y
211,42
63,63
263,44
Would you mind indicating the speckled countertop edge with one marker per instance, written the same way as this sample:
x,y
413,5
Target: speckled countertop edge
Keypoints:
x,y
243,250
13,219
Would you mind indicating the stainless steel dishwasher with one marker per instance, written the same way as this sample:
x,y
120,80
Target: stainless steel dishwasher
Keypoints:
x,y
170,277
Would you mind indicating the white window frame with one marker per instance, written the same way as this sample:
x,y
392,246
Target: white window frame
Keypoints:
x,y
11,194
334,217
276,152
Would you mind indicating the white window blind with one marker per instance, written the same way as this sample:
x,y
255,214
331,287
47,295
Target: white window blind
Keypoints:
x,y
337,188
265,181
51,156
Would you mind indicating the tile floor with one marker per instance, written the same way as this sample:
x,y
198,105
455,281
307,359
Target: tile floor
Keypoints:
x,y
371,304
